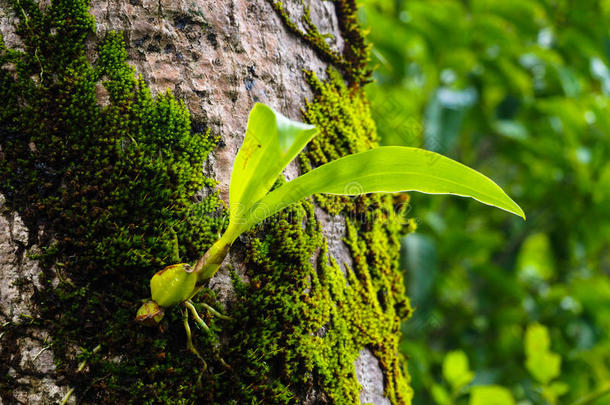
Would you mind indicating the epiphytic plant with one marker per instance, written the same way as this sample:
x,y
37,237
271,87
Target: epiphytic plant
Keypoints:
x,y
272,141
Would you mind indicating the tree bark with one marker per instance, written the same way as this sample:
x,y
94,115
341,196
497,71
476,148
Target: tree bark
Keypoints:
x,y
219,58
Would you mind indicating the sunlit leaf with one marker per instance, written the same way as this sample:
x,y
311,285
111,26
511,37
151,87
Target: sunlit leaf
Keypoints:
x,y
535,259
440,395
272,141
491,395
456,370
386,170
557,389
543,364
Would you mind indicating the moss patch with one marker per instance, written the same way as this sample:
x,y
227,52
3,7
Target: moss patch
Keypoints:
x,y
305,322
303,325
353,60
375,224
115,177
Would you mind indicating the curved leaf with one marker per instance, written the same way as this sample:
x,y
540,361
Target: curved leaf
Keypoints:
x,y
386,169
270,144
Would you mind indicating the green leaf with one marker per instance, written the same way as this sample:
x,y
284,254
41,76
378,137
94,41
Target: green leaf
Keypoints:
x,y
272,141
386,170
440,395
535,260
543,364
456,370
490,395
559,388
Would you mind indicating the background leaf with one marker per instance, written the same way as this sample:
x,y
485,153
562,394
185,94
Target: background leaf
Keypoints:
x,y
535,261
540,361
539,126
440,395
456,370
491,395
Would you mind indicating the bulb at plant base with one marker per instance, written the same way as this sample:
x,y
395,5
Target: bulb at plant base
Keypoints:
x,y
150,313
173,285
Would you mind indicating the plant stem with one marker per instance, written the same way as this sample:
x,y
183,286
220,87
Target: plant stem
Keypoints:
x,y
67,396
80,368
210,262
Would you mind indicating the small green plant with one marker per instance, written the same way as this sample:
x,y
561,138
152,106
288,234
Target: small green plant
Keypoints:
x,y
457,374
542,363
458,378
272,141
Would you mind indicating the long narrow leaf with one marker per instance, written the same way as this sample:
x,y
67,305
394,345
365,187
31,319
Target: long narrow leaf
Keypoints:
x,y
386,169
272,141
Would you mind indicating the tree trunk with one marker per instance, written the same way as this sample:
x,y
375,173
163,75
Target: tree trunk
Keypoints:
x,y
315,293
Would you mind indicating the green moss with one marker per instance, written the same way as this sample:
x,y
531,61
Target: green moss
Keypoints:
x,y
344,118
116,187
114,176
304,322
304,325
94,173
353,60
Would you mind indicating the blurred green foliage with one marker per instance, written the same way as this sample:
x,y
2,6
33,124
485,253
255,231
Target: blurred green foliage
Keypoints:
x,y
519,90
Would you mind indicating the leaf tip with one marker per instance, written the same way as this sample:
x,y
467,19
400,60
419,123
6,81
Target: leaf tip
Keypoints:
x,y
518,211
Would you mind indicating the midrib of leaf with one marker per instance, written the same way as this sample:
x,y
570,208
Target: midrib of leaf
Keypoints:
x,y
420,174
